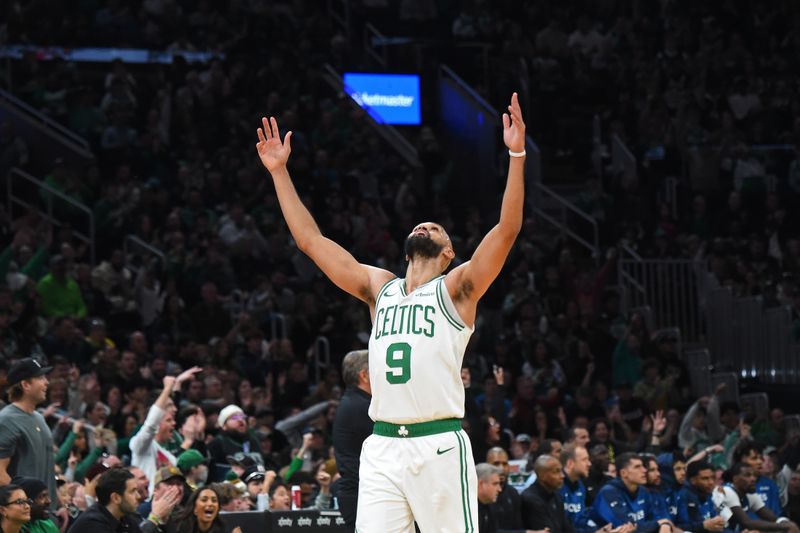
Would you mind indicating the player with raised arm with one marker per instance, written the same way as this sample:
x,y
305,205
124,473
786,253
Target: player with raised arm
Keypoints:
x,y
417,465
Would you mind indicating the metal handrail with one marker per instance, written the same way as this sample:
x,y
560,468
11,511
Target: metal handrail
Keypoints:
x,y
278,320
565,205
625,247
563,227
48,214
46,122
322,356
133,239
343,17
480,100
621,157
387,131
373,35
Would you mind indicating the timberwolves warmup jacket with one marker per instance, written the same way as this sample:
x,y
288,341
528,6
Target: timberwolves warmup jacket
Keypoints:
x,y
616,506
693,509
574,497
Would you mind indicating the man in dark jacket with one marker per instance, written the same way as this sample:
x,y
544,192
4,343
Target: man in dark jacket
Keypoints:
x,y
696,510
573,493
488,489
115,510
351,427
542,506
507,508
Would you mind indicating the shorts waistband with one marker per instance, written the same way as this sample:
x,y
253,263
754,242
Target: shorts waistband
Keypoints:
x,y
421,429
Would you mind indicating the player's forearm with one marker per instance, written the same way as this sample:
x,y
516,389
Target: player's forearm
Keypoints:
x,y
298,218
513,197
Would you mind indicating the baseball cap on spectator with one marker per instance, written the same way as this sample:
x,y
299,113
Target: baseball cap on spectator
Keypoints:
x,y
189,459
254,473
165,473
523,437
241,459
27,368
228,412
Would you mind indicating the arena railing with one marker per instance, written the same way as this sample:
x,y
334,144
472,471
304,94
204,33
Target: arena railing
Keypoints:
x,y
671,287
546,204
389,134
322,356
138,253
339,11
623,162
30,124
28,192
753,341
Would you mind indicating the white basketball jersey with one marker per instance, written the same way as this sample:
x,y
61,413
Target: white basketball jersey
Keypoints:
x,y
415,353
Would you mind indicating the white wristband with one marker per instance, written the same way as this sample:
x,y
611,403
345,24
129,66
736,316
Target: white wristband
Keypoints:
x,y
516,154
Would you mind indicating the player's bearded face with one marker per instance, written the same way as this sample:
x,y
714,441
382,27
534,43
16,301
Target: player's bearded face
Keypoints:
x,y
422,246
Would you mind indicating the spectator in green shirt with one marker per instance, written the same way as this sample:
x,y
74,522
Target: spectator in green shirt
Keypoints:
x,y
60,294
37,491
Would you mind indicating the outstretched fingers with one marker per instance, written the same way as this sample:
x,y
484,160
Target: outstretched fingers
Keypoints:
x,y
506,121
266,128
514,109
275,131
260,133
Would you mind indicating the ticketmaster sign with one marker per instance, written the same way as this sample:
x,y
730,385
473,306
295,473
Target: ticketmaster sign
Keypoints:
x,y
389,98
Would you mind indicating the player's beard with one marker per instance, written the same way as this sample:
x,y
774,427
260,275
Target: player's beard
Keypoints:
x,y
423,247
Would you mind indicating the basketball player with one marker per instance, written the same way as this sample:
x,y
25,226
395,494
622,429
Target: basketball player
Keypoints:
x,y
417,464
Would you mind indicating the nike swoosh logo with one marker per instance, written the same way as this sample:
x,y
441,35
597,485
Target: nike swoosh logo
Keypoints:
x,y
440,452
389,295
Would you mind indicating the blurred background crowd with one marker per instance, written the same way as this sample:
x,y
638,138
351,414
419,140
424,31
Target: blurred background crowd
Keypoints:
x,y
220,345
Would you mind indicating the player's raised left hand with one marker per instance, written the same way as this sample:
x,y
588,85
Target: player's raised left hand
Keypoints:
x,y
514,126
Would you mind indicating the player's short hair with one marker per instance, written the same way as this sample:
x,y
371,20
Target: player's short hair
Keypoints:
x,y
569,452
696,467
625,459
571,433
353,363
734,471
111,482
745,448
485,471
648,458
541,463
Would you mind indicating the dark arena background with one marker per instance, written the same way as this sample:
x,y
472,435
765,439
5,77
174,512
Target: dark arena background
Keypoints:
x,y
652,297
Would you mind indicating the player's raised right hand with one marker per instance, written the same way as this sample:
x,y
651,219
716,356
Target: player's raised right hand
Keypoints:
x,y
273,153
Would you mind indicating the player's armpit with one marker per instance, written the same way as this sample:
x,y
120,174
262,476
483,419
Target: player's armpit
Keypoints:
x,y
472,279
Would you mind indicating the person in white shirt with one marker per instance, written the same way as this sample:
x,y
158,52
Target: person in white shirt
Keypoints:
x,y
737,498
146,451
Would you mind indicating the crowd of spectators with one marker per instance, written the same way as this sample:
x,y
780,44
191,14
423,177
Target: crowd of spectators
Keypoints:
x,y
199,367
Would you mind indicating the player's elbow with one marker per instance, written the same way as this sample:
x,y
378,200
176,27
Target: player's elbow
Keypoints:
x,y
509,229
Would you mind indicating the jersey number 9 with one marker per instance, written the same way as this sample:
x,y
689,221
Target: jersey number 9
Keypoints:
x,y
398,358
